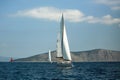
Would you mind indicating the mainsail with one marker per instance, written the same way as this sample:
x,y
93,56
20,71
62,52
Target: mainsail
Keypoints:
x,y
59,53
63,50
49,55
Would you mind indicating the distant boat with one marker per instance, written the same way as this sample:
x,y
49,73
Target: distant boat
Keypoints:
x,y
11,60
63,51
49,56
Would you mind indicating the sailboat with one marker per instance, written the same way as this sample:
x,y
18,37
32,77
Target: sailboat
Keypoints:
x,y
49,56
11,59
63,51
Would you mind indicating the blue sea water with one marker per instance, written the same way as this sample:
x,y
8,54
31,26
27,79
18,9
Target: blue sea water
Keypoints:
x,y
48,71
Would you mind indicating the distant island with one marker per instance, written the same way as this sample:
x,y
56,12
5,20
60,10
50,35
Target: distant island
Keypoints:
x,y
96,55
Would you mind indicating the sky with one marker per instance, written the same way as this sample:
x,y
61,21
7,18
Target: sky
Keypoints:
x,y
30,27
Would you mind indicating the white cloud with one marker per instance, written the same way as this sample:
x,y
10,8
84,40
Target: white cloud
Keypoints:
x,y
92,19
109,20
108,2
51,13
71,15
113,4
42,12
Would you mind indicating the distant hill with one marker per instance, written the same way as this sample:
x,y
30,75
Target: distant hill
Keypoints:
x,y
96,55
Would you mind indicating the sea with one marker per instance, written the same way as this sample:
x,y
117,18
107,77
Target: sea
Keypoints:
x,y
51,71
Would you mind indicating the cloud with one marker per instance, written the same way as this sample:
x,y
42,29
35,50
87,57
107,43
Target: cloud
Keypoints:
x,y
113,4
108,2
92,19
51,13
71,15
109,20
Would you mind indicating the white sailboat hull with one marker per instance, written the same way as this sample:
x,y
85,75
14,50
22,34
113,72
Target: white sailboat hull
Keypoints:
x,y
65,64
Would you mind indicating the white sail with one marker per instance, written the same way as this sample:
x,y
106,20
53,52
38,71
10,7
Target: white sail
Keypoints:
x,y
59,53
49,56
62,43
66,50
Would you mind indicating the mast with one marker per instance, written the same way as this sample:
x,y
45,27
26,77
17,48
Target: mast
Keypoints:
x,y
62,33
